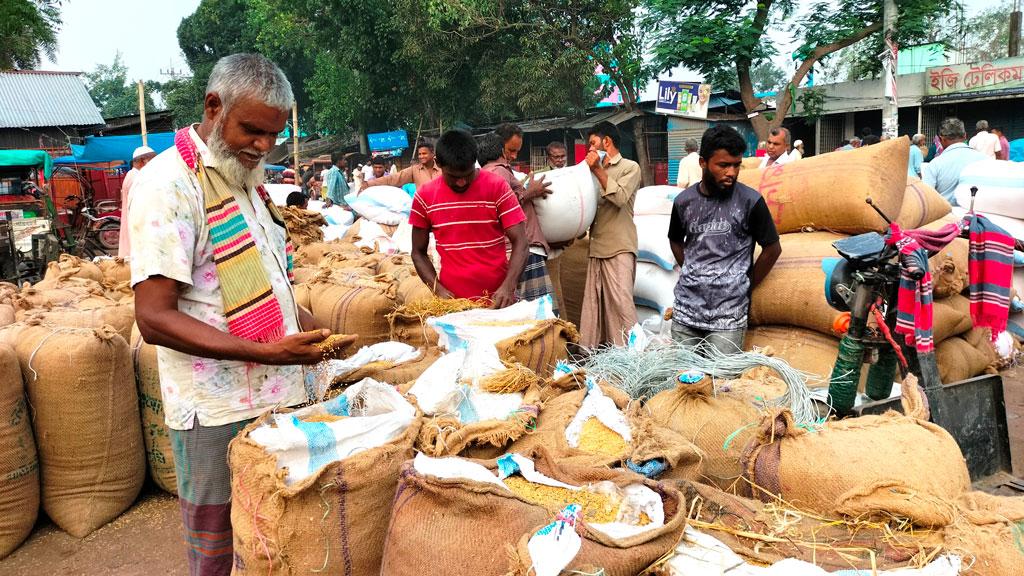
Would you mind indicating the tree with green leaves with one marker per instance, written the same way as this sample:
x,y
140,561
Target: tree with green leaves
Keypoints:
x,y
715,37
113,93
28,29
988,33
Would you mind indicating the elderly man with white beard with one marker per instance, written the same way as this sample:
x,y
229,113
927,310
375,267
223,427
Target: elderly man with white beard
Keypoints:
x,y
211,264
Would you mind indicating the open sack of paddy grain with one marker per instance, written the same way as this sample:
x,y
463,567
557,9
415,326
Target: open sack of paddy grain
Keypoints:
x,y
19,461
568,212
353,302
86,422
729,534
870,466
828,191
393,363
484,390
155,433
503,506
311,488
585,423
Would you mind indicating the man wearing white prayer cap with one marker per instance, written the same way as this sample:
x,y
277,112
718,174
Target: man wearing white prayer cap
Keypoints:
x,y
140,157
798,150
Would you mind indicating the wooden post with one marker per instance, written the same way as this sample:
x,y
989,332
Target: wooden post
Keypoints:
x,y
295,139
142,111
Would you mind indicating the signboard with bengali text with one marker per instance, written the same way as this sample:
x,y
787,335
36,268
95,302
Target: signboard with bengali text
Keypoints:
x,y
975,77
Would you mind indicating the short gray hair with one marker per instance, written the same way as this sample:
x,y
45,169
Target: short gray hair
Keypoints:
x,y
780,130
952,128
250,75
981,125
691,145
918,139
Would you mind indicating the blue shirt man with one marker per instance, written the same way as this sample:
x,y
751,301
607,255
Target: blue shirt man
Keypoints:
x,y
335,185
916,159
943,173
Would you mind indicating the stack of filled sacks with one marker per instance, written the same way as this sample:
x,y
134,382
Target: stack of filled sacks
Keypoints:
x,y
789,312
484,391
85,418
527,514
656,270
311,489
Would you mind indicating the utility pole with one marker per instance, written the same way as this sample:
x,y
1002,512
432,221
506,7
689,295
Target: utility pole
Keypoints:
x,y
142,111
890,102
1015,18
295,139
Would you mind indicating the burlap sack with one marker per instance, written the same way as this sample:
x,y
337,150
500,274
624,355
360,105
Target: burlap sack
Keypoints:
x,y
459,526
333,522
650,439
337,260
828,191
7,312
304,273
752,529
91,313
793,293
922,205
68,266
19,462
444,435
302,295
751,163
804,349
411,289
58,293
118,291
86,423
115,270
865,467
155,434
395,262
310,254
960,358
355,306
390,373
719,423
989,535
541,347
949,267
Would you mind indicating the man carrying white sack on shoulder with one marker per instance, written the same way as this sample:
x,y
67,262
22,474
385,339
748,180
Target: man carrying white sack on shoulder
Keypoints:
x,y
211,264
714,226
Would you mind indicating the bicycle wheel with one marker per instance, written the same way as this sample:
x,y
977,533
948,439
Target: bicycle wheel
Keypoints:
x,y
109,236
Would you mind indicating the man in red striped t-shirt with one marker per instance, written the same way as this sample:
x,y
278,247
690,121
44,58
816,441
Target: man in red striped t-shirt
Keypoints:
x,y
470,213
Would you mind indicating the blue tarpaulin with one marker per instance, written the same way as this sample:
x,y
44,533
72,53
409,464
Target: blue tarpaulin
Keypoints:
x,y
113,148
397,140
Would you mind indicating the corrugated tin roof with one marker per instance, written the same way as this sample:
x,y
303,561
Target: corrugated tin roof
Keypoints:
x,y
615,116
35,99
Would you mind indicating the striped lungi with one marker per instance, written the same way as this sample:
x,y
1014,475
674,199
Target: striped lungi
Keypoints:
x,y
535,281
204,494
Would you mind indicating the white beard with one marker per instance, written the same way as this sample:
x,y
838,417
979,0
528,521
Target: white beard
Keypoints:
x,y
228,164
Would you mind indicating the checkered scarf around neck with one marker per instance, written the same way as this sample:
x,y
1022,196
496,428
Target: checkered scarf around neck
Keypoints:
x,y
251,309
914,297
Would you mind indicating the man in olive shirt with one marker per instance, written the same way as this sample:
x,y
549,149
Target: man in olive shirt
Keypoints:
x,y
608,309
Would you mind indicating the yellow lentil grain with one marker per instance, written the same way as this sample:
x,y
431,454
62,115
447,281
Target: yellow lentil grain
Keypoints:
x,y
596,508
596,438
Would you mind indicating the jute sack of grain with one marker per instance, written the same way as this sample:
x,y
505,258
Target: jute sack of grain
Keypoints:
x,y
718,423
601,445
411,289
391,373
155,434
92,313
304,273
115,269
828,191
6,312
68,266
949,267
19,462
804,349
311,254
356,306
303,225
540,347
394,262
446,435
988,535
473,526
951,316
58,293
86,424
302,295
922,205
793,293
751,529
865,467
751,163
352,260
960,358
118,291
334,521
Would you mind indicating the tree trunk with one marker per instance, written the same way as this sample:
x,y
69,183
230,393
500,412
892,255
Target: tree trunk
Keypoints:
x,y
640,141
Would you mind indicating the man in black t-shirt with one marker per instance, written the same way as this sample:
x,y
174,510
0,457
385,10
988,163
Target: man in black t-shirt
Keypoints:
x,y
714,225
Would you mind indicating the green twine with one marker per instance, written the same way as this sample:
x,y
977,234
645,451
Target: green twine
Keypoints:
x,y
731,437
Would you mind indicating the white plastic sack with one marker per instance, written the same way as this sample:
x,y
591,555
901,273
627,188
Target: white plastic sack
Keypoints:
x,y
654,286
569,210
652,240
372,236
699,554
334,232
279,192
381,204
1000,187
462,329
336,215
382,415
655,200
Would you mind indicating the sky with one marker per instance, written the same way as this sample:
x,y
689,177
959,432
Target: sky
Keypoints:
x,y
145,32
